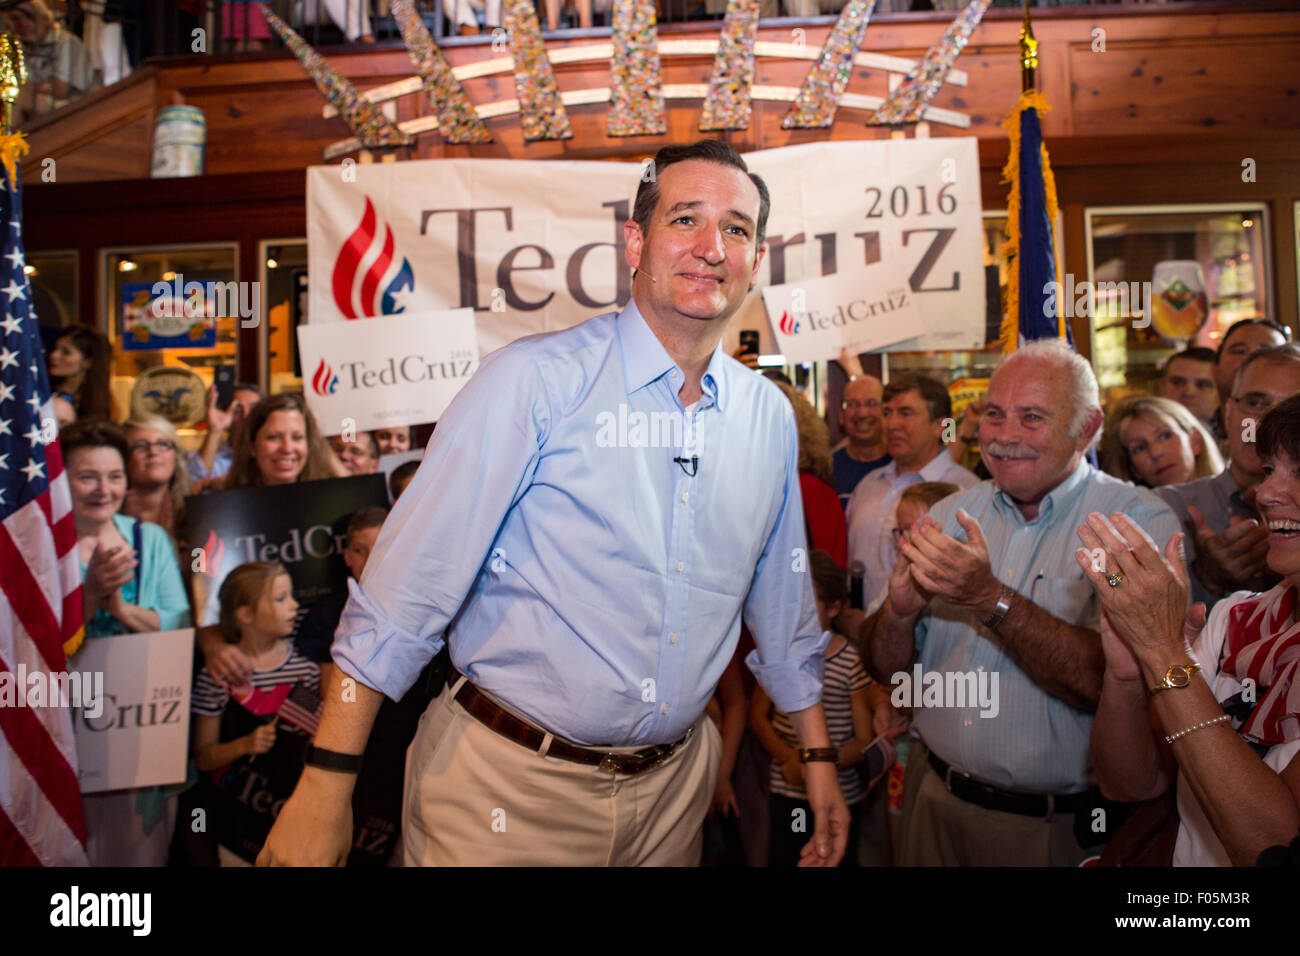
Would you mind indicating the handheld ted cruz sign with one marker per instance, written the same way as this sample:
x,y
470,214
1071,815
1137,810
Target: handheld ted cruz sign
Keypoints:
x,y
387,371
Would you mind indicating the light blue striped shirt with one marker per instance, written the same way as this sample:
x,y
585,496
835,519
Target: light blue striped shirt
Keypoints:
x,y
1036,741
591,585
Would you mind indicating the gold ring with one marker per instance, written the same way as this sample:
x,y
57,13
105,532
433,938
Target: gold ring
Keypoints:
x,y
1115,579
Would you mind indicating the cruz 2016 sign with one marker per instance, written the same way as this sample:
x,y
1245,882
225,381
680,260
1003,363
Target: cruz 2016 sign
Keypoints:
x,y
534,246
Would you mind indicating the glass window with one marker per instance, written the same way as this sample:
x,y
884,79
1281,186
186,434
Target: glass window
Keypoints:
x,y
176,306
53,278
1207,268
284,302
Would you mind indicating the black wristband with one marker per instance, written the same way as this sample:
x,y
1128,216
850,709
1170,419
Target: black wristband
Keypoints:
x,y
333,760
819,755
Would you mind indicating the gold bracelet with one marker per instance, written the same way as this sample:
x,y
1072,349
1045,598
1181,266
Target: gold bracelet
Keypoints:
x,y
1201,726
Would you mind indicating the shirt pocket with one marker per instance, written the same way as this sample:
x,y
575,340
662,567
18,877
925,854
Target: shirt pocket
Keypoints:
x,y
1069,598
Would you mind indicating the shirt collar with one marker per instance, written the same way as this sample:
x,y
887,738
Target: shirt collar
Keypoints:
x,y
1059,498
1227,486
645,359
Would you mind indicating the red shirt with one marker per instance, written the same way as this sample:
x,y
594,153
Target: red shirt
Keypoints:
x,y
825,516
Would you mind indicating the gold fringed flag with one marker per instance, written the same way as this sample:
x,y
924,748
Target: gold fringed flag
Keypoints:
x,y
908,102
1032,306
541,111
636,105
365,119
457,120
728,103
814,107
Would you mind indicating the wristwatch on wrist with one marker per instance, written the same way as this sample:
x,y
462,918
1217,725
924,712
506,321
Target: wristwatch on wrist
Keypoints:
x,y
333,760
819,755
1000,611
1176,676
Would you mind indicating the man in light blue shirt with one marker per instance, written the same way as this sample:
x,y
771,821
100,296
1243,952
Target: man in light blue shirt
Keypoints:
x,y
597,511
989,630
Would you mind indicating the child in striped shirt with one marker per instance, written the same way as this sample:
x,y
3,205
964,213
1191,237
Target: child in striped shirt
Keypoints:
x,y
254,762
848,708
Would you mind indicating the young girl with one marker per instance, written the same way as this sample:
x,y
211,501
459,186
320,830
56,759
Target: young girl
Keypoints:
x,y
849,721
251,738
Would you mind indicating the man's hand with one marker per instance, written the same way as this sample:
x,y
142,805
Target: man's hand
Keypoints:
x,y
944,566
906,597
314,827
746,358
1232,558
830,816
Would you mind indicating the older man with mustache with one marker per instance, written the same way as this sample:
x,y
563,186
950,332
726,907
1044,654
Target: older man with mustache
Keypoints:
x,y
986,588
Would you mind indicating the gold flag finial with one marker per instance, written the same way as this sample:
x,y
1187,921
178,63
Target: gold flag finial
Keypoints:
x,y
13,74
1028,55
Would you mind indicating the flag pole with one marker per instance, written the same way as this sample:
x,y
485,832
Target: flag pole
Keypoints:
x,y
1028,55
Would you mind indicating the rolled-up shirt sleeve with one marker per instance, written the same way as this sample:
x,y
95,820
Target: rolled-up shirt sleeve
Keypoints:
x,y
788,659
435,542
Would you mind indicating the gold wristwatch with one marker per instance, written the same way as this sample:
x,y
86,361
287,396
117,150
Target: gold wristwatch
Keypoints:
x,y
1176,676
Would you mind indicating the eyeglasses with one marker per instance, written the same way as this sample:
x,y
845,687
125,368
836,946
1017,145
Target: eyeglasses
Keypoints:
x,y
854,405
160,446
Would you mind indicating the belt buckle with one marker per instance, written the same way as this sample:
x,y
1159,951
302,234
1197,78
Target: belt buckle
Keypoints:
x,y
947,777
608,764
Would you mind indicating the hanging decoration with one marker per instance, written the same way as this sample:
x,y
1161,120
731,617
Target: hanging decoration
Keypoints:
x,y
636,99
541,112
366,120
728,104
458,122
814,107
907,103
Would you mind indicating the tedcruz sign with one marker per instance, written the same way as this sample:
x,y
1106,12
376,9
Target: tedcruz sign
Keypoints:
x,y
390,371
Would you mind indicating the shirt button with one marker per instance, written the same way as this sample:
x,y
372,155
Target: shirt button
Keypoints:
x,y
686,496
681,566
672,638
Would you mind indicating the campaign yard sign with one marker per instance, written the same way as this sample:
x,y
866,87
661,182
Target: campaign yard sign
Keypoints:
x,y
134,730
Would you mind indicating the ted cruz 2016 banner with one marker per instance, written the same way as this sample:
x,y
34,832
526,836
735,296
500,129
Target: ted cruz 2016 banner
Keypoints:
x,y
300,525
134,731
533,246
386,372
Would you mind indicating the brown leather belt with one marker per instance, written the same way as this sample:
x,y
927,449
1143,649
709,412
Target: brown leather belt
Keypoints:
x,y
493,715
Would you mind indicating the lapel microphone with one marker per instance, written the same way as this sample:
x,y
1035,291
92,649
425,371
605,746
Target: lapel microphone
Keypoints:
x,y
636,272
694,462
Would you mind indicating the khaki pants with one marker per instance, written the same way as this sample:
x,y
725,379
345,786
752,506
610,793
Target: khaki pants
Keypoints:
x,y
940,829
474,798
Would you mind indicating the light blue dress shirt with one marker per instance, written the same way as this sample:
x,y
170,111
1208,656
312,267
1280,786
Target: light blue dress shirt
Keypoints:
x,y
1036,741
589,583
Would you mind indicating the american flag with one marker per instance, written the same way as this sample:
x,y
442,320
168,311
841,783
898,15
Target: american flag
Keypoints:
x,y
302,709
41,818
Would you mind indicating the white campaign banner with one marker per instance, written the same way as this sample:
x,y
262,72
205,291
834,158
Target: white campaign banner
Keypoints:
x,y
861,310
533,246
138,733
386,372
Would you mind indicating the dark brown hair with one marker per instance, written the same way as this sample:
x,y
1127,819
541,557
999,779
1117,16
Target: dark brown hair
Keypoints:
x,y
710,150
244,587
1279,431
244,472
94,399
827,578
94,434
931,390
372,517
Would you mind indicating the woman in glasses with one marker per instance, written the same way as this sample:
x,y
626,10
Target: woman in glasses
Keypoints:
x,y
157,481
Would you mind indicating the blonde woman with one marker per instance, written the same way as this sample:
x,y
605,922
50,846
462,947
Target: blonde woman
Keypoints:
x,y
1153,442
158,480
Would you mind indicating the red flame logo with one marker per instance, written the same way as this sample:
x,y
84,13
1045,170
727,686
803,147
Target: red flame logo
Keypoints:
x,y
788,325
214,549
324,382
349,262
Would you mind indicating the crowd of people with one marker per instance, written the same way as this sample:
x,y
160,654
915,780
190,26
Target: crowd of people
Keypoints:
x,y
1196,505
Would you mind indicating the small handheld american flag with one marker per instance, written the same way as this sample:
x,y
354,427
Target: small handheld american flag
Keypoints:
x,y
302,709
